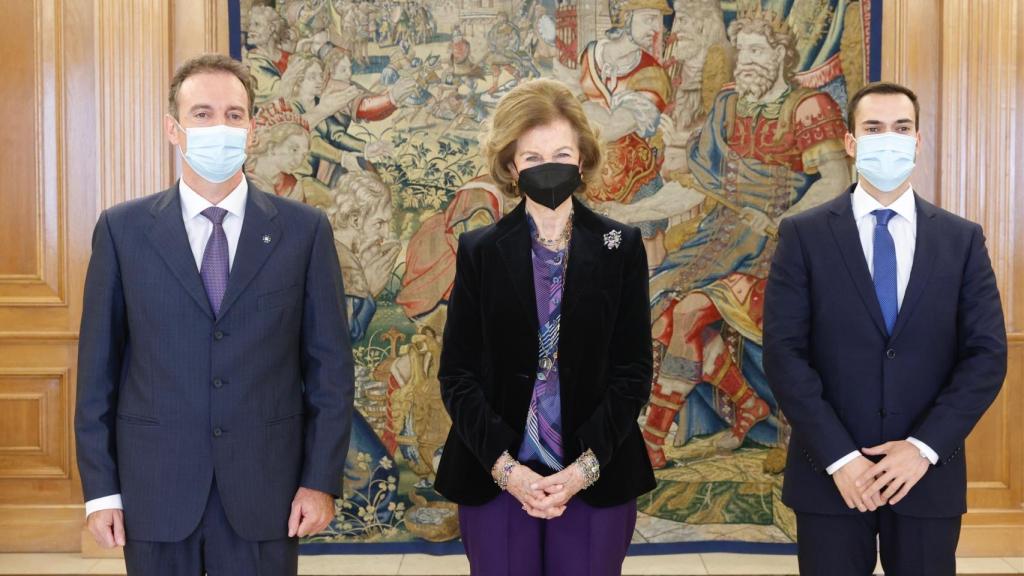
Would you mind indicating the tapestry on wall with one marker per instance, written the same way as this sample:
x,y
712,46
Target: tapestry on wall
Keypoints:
x,y
720,118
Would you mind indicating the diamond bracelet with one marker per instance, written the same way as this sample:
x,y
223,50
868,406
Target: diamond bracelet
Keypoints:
x,y
501,475
589,467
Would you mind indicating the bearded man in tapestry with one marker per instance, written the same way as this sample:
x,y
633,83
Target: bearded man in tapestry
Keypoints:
x,y
769,148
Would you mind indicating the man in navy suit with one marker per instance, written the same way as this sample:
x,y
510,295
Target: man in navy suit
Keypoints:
x,y
884,344
215,374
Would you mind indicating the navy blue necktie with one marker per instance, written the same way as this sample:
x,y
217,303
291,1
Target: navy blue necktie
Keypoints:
x,y
884,261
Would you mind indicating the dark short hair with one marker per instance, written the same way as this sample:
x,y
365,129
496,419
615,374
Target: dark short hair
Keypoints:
x,y
207,63
880,88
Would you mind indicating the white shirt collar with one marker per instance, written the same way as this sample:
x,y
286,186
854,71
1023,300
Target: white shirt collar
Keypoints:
x,y
192,204
864,204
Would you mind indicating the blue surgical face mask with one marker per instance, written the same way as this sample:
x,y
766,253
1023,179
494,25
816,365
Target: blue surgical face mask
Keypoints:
x,y
886,160
216,153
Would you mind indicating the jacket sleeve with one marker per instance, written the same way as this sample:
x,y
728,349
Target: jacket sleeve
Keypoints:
x,y
631,362
102,339
479,427
981,357
327,367
787,332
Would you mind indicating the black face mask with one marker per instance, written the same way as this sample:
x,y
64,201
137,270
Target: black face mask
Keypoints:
x,y
551,183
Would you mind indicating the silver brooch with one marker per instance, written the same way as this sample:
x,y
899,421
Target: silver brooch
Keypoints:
x,y
613,239
266,238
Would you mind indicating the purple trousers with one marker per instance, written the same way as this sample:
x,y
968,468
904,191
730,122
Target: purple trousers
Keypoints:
x,y
503,540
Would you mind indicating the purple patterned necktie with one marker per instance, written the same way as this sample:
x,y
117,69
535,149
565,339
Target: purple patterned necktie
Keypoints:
x,y
215,259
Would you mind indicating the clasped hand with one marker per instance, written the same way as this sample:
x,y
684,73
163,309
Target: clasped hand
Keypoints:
x,y
867,486
544,497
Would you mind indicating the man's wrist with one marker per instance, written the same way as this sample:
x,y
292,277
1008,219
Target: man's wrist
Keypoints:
x,y
838,464
111,502
926,451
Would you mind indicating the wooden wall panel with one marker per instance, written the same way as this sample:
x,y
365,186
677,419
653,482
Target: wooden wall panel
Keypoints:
x,y
86,83
31,264
979,114
48,102
23,414
134,72
1016,292
963,58
199,26
38,481
910,43
994,524
34,440
36,528
18,218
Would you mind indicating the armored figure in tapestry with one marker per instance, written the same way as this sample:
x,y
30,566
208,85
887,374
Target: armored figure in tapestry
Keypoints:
x,y
768,148
627,90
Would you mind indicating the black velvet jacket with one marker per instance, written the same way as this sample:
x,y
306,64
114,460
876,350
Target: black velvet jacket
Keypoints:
x,y
489,358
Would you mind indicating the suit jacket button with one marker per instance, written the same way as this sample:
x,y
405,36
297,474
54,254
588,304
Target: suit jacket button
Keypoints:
x,y
217,382
217,432
890,353
218,335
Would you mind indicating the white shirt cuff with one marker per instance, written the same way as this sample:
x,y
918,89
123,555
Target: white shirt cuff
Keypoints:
x,y
842,462
112,502
926,450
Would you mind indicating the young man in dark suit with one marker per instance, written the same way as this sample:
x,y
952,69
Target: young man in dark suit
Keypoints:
x,y
215,371
885,344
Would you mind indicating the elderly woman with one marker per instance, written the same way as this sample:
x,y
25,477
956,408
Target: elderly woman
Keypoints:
x,y
547,357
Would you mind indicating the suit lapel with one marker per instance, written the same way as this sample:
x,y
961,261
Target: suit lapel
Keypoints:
x,y
260,235
515,249
582,260
170,241
844,230
924,260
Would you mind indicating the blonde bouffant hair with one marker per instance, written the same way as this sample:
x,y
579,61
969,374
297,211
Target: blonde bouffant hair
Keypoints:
x,y
531,104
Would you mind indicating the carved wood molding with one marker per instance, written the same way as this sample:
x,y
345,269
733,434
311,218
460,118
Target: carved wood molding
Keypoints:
x,y
980,103
199,26
43,450
133,67
47,284
59,336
